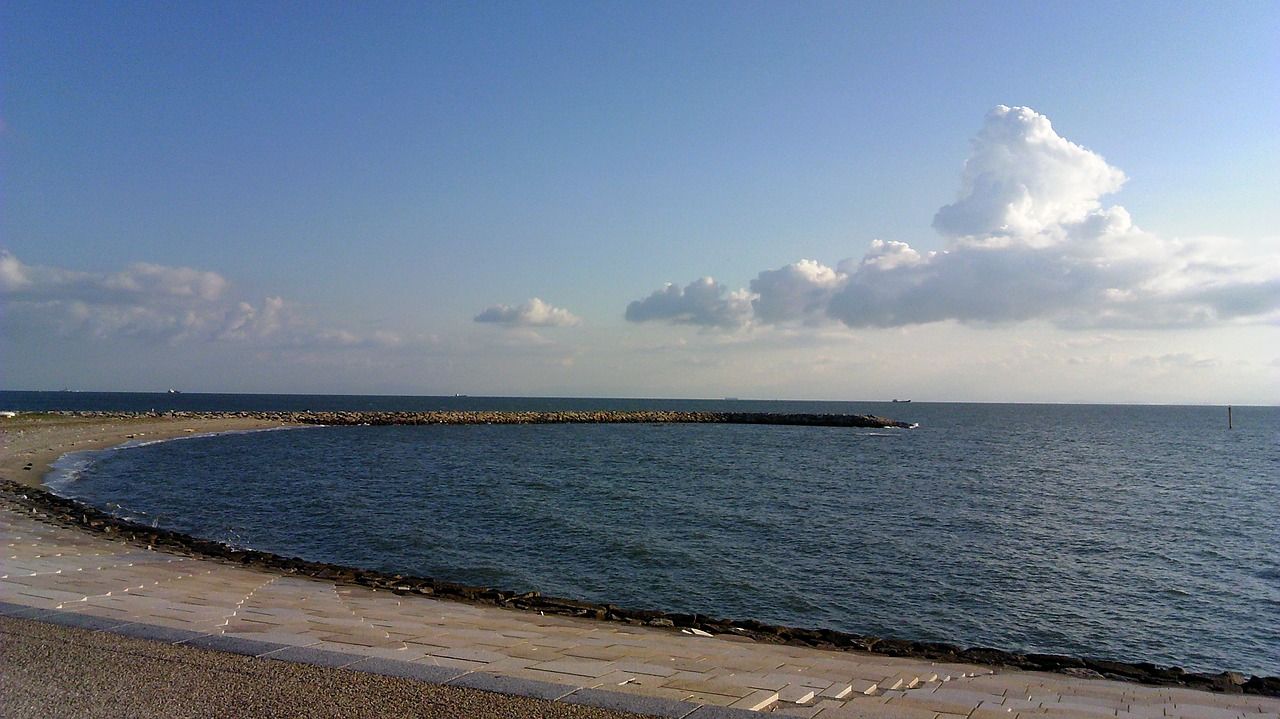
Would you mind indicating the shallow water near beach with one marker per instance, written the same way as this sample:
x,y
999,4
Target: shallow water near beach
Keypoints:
x,y
1120,532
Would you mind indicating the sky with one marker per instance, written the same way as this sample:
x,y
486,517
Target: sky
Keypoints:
x,y
997,201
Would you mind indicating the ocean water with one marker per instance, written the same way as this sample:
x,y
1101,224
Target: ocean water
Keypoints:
x,y
1135,533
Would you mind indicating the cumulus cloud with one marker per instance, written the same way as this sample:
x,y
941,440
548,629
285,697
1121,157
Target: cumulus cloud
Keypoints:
x,y
154,303
1023,181
534,313
703,302
1027,238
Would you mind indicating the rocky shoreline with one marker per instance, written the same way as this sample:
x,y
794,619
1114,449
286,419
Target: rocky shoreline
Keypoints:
x,y
491,417
48,507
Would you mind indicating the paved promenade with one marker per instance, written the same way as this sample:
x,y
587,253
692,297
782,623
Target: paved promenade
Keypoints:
x,y
65,576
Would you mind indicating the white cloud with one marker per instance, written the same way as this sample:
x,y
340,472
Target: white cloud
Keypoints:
x,y
534,313
703,302
1027,239
154,303
1024,181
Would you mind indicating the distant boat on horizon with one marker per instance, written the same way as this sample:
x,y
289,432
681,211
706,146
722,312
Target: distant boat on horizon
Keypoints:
x,y
175,391
901,401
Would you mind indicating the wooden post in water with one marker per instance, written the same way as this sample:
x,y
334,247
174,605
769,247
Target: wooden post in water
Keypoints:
x,y
1228,416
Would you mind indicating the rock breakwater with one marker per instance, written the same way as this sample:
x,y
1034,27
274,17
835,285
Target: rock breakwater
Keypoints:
x,y
490,417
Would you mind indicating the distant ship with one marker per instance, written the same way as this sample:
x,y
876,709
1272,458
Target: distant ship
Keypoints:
x,y
175,391
898,401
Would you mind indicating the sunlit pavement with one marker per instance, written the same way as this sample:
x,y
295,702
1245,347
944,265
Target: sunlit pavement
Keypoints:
x,y
65,576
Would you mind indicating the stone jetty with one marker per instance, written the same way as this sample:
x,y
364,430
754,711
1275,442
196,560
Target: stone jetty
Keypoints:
x,y
490,417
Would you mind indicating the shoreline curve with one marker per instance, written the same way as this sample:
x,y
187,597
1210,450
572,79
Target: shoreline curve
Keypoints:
x,y
29,443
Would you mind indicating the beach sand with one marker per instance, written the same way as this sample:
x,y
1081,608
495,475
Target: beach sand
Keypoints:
x,y
34,441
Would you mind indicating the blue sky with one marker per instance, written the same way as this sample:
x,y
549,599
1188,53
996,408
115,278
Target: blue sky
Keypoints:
x,y
491,199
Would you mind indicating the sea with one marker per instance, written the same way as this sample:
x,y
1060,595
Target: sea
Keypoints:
x,y
1123,532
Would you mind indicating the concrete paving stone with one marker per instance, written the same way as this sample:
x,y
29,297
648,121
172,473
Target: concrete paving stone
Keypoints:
x,y
757,700
510,685
529,651
234,645
796,694
576,667
154,632
949,693
818,684
409,670
1199,711
709,686
754,680
1105,689
857,710
700,665
453,663
718,712
652,691
601,653
1250,703
1144,711
645,668
554,642
840,690
1072,713
620,701
358,639
910,680
718,700
22,611
797,710
985,711
611,679
81,620
106,612
471,655
313,656
927,701
47,597
403,655
508,664
1029,704
1101,707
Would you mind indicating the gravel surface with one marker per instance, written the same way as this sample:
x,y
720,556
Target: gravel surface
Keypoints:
x,y
50,672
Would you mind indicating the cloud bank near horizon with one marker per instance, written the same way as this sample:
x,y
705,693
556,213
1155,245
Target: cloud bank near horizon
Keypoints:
x,y
1026,239
157,303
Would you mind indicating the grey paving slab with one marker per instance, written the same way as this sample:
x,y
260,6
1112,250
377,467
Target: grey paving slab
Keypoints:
x,y
155,632
512,685
408,670
235,645
21,611
635,703
318,657
81,621
708,711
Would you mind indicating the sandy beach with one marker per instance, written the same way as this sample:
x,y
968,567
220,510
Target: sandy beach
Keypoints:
x,y
34,441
